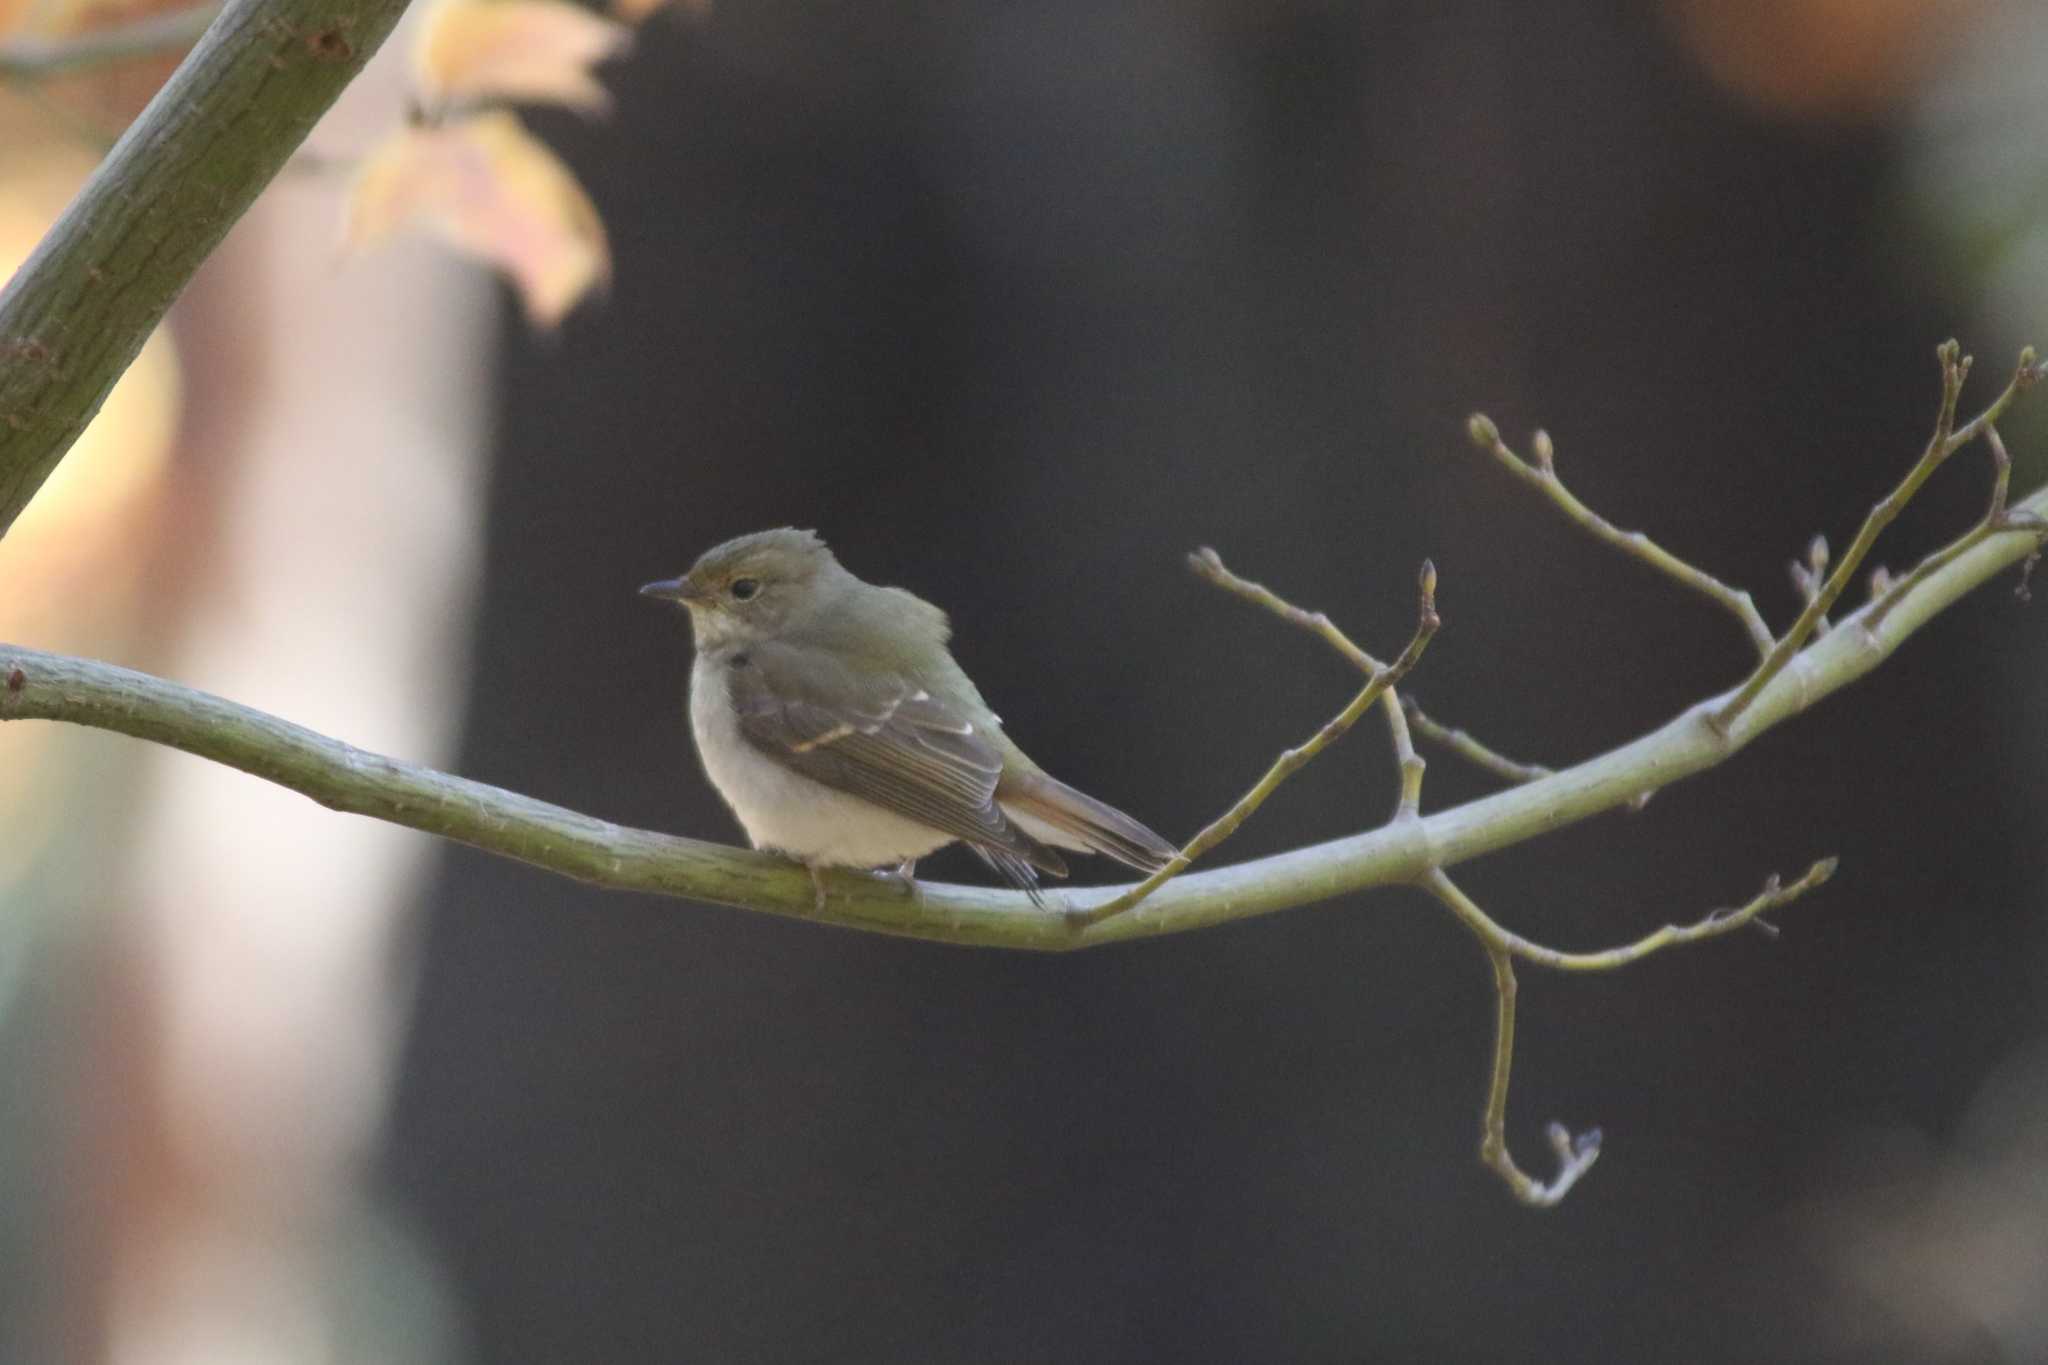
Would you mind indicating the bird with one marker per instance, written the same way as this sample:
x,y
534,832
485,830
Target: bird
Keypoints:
x,y
831,717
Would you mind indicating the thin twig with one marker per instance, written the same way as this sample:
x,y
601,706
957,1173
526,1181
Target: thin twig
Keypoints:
x,y
1576,1153
1470,749
153,35
1209,565
1808,578
1291,761
1997,520
1542,476
1946,440
1409,763
1726,921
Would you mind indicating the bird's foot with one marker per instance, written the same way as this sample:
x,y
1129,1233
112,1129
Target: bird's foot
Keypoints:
x,y
904,874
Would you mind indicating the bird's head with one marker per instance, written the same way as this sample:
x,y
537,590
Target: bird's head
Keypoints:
x,y
750,588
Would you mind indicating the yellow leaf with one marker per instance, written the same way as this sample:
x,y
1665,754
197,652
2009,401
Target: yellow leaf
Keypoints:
x,y
487,187
525,51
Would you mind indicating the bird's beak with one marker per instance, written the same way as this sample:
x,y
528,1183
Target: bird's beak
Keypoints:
x,y
672,590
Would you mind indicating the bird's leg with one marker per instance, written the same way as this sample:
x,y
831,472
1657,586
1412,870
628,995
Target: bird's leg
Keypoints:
x,y
904,874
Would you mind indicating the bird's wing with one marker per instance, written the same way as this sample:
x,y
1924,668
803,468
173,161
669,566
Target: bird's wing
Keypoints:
x,y
879,736
1060,815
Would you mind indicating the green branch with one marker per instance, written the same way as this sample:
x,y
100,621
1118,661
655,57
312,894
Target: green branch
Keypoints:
x,y
35,685
1410,849
74,317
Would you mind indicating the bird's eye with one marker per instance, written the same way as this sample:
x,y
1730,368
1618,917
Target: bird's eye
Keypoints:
x,y
744,588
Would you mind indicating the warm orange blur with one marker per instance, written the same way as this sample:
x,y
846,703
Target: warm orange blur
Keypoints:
x,y
241,521
84,545
1817,58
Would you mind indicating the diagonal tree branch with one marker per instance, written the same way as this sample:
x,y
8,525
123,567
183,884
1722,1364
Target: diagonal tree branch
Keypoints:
x,y
73,317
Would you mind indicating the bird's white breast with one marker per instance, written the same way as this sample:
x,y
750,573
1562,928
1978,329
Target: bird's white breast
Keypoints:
x,y
783,810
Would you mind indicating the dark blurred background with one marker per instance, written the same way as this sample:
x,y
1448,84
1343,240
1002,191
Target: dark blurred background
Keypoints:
x,y
1018,303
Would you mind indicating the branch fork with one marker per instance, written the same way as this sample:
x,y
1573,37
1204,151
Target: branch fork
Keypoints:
x,y
1945,441
1820,582
1380,680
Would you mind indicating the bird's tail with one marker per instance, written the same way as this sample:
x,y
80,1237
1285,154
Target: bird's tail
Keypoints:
x,y
1051,811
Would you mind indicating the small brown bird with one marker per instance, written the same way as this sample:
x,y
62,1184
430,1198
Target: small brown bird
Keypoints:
x,y
833,720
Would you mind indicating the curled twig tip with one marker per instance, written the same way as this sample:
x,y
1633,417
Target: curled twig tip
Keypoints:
x,y
1575,1156
1570,1146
